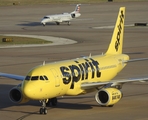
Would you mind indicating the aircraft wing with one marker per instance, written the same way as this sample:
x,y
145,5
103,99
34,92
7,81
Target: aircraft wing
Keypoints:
x,y
135,60
112,83
12,76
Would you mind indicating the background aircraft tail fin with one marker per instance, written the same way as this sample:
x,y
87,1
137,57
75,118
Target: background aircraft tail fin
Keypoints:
x,y
77,9
116,44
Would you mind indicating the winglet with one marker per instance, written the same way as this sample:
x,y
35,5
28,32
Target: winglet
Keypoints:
x,y
116,43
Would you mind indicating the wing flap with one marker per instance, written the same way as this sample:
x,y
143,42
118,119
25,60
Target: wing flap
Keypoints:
x,y
12,76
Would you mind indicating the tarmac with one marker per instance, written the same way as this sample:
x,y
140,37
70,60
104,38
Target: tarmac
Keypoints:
x,y
25,20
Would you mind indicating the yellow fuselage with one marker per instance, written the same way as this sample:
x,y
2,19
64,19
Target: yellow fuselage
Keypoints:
x,y
65,77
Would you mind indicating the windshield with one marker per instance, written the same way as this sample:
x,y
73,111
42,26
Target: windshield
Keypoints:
x,y
46,17
32,78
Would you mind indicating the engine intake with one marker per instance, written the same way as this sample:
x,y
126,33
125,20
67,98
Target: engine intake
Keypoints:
x,y
108,96
16,95
73,15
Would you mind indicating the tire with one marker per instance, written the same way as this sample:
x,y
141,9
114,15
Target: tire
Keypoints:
x,y
41,110
45,111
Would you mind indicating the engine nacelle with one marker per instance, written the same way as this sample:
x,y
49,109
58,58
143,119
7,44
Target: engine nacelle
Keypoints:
x,y
73,15
108,96
16,95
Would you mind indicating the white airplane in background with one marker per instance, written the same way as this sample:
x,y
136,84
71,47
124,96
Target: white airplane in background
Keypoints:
x,y
78,76
64,17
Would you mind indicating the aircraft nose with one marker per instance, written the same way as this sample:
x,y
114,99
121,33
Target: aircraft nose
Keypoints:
x,y
29,91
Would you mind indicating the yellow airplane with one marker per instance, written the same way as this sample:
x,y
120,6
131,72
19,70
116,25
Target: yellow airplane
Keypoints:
x,y
77,76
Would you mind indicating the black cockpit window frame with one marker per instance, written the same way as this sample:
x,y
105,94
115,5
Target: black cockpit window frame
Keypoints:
x,y
34,78
46,17
46,78
27,78
42,78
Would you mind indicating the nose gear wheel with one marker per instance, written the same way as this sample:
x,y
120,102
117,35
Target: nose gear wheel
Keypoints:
x,y
43,110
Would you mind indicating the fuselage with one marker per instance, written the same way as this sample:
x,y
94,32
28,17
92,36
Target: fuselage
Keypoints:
x,y
65,77
65,17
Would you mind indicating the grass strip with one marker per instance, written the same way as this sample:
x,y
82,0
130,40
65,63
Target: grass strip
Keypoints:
x,y
12,40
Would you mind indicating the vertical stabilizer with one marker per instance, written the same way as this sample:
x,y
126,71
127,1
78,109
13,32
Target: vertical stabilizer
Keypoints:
x,y
77,9
116,44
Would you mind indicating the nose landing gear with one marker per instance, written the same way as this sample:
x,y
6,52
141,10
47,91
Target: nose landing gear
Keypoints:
x,y
52,101
43,110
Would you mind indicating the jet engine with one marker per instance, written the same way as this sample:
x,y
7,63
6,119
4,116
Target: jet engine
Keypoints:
x,y
73,15
17,96
108,96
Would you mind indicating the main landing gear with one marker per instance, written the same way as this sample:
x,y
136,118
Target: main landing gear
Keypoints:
x,y
52,101
57,23
68,23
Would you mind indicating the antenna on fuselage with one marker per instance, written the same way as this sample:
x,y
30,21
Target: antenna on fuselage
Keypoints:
x,y
43,62
90,55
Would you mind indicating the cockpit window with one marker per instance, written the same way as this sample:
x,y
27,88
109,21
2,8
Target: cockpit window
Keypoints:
x,y
27,78
41,78
45,77
34,77
46,17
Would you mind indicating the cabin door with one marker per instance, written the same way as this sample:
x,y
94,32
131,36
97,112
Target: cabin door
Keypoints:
x,y
56,76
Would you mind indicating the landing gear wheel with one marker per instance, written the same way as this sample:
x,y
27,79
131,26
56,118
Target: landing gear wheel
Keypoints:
x,y
57,23
68,23
43,110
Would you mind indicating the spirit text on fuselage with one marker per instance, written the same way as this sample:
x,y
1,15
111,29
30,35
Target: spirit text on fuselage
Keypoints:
x,y
80,71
